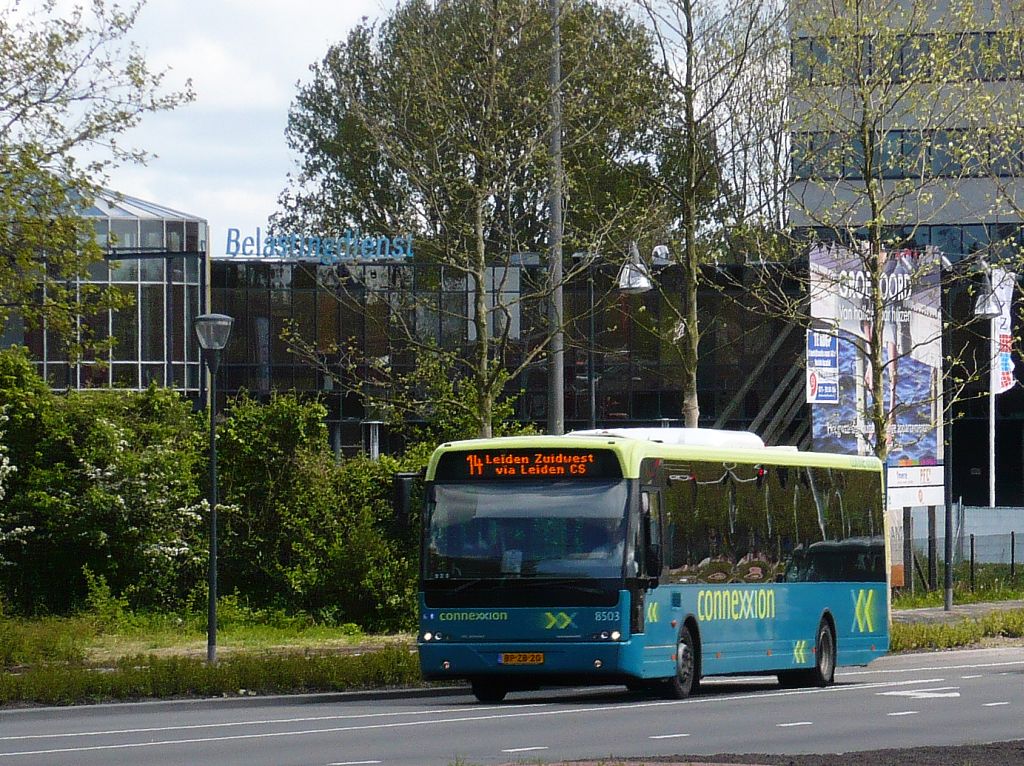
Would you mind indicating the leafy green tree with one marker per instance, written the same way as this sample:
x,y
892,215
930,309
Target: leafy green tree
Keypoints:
x,y
260,451
71,86
303,533
8,532
369,568
105,480
436,122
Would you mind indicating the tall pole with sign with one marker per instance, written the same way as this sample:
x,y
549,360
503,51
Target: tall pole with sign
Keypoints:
x,y
996,304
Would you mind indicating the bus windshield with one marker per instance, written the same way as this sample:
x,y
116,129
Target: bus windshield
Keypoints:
x,y
535,529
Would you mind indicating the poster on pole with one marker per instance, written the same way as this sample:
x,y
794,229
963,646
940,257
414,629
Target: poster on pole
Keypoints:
x,y
822,368
1001,336
911,377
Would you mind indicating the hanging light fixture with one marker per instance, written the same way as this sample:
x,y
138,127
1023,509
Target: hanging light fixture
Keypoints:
x,y
986,305
634,276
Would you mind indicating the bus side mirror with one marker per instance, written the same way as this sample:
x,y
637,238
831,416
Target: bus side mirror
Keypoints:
x,y
403,487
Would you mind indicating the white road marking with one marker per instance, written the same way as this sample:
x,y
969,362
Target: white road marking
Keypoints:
x,y
941,668
973,675
996,704
353,763
263,722
795,723
668,736
904,712
924,694
522,749
509,714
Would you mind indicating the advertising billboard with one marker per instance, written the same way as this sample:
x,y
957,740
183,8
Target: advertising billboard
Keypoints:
x,y
842,295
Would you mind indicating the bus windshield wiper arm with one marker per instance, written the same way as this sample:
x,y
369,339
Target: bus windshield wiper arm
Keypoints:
x,y
571,582
471,583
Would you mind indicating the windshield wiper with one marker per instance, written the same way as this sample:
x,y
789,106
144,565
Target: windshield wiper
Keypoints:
x,y
572,582
474,582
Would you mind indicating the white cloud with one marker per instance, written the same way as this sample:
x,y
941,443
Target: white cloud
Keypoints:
x,y
224,157
221,78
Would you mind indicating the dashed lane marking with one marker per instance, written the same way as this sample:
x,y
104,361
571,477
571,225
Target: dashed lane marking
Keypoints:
x,y
668,736
925,694
525,711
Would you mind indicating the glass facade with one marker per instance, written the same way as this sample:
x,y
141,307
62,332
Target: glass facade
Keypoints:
x,y
156,259
366,313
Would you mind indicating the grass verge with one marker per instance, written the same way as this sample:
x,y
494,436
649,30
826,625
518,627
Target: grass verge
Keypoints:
x,y
58,661
907,637
992,582
148,677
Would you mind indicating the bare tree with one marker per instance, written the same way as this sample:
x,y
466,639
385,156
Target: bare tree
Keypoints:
x,y
891,117
718,156
71,83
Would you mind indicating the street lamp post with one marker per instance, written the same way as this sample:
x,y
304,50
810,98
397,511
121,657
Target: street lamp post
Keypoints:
x,y
590,259
213,331
591,377
985,307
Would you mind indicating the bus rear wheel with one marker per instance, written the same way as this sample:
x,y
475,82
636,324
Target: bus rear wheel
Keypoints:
x,y
488,691
824,671
686,679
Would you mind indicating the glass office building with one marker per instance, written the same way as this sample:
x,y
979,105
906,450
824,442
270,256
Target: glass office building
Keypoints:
x,y
372,308
157,257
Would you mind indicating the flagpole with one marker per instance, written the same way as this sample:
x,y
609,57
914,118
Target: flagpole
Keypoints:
x,y
992,435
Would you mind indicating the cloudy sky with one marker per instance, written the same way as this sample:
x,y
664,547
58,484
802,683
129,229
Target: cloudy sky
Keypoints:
x,y
224,156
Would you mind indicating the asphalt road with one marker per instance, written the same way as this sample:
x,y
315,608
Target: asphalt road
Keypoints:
x,y
948,698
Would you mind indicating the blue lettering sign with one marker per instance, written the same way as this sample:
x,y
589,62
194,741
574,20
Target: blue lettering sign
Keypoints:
x,y
352,245
232,245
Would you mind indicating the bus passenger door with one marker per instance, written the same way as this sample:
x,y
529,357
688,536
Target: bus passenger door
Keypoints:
x,y
652,611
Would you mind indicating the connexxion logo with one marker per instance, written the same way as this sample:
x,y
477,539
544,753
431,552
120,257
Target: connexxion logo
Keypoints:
x,y
472,616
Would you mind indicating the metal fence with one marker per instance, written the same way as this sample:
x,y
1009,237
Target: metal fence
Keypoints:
x,y
1005,548
981,537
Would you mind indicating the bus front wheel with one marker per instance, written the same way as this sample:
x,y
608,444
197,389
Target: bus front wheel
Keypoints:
x,y
488,691
686,679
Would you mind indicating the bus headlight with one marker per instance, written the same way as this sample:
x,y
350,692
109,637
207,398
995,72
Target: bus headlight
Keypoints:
x,y
427,636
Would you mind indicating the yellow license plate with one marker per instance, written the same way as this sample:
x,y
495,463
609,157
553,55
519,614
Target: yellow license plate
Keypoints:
x,y
521,658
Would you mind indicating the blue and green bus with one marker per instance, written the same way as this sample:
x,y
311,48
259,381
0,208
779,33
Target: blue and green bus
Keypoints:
x,y
650,558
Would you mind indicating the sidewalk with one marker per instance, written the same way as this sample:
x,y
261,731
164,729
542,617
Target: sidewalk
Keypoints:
x,y
959,612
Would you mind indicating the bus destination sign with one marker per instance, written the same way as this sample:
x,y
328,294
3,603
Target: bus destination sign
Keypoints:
x,y
512,464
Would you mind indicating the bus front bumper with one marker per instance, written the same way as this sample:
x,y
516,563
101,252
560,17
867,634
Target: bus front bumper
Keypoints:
x,y
597,662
